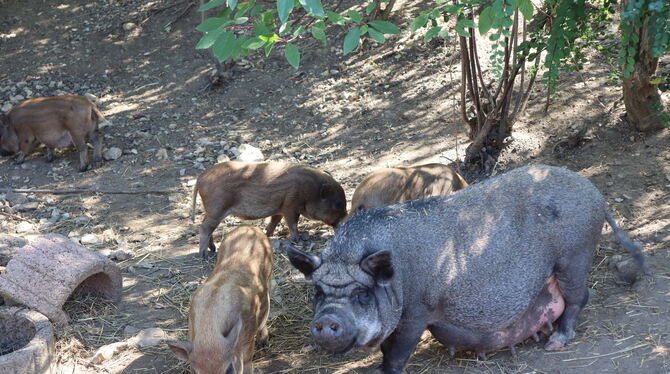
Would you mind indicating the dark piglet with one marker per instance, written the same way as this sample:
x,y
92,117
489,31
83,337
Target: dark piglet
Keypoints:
x,y
266,189
57,122
482,269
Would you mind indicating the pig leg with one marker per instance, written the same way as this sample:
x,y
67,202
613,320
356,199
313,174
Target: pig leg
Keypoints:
x,y
50,155
94,138
571,275
263,336
273,224
25,147
398,347
80,144
207,227
291,219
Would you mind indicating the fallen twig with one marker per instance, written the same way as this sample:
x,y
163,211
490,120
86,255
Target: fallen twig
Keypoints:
x,y
88,191
630,348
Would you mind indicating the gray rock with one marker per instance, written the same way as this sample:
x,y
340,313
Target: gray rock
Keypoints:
x,y
6,107
120,255
8,245
24,227
150,337
90,239
129,26
16,198
249,153
26,207
112,153
222,158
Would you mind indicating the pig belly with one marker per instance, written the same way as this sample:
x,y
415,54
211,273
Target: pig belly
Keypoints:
x,y
542,312
62,141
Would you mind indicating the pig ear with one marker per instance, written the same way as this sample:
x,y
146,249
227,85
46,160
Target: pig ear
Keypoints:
x,y
303,261
181,348
379,266
326,190
234,332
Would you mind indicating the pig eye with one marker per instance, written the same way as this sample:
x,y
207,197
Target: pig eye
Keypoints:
x,y
362,296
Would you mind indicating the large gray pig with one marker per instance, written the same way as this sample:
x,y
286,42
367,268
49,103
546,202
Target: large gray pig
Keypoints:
x,y
482,269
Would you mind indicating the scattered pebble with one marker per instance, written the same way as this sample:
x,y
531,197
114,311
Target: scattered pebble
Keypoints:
x,y
112,153
90,239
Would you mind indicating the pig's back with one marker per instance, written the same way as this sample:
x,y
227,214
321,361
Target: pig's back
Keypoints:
x,y
480,256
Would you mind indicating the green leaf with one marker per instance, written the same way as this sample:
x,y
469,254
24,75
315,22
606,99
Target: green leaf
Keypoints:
x,y
371,7
462,31
526,8
319,33
292,55
211,4
253,43
419,22
284,7
352,40
444,33
313,7
268,49
208,39
211,24
431,33
269,38
364,29
241,20
335,18
485,20
355,16
320,25
224,46
244,8
384,27
466,22
494,37
232,4
376,35
299,31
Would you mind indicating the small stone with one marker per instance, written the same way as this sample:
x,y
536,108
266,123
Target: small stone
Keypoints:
x,y
24,227
618,199
15,198
128,26
249,153
90,239
26,207
234,151
112,153
191,183
162,154
129,331
106,352
91,97
150,337
16,99
182,172
6,107
120,255
222,158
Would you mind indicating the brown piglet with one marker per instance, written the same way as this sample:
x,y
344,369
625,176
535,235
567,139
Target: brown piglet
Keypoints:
x,y
57,122
393,185
266,189
228,313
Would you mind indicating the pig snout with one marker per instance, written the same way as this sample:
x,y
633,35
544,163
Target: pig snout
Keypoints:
x,y
332,333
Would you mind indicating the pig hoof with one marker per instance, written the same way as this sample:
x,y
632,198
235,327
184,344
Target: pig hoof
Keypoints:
x,y
481,356
557,341
84,168
536,337
512,350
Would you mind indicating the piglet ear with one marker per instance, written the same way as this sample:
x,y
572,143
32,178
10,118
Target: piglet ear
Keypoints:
x,y
234,332
326,190
180,348
303,261
379,266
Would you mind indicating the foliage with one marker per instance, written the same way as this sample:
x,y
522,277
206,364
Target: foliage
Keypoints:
x,y
656,13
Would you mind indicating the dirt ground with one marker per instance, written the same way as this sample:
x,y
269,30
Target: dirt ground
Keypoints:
x,y
382,106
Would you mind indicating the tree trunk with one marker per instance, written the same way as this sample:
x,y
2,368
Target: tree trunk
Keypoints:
x,y
642,99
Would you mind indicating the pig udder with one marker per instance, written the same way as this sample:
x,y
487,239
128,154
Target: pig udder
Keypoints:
x,y
539,317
